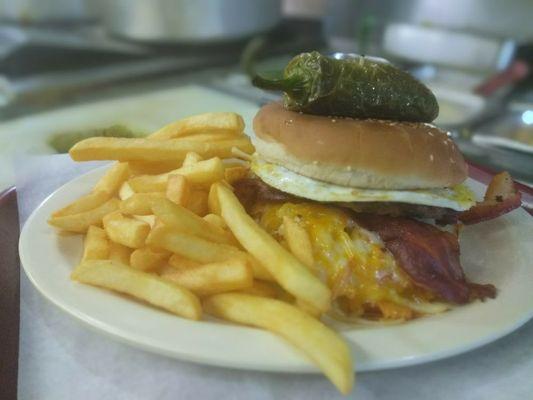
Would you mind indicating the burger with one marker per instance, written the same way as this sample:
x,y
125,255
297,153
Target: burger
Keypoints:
x,y
381,203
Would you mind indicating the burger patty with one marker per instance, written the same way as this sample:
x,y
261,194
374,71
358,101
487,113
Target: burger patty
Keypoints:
x,y
253,190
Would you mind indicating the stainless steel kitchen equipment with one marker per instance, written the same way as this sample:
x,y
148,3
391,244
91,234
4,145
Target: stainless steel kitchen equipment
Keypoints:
x,y
185,21
505,19
45,11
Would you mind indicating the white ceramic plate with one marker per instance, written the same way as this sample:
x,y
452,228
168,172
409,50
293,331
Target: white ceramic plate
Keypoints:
x,y
497,252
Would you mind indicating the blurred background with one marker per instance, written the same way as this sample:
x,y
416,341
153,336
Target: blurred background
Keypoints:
x,y
75,68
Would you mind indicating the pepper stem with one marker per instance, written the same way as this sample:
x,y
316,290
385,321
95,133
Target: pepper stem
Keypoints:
x,y
287,85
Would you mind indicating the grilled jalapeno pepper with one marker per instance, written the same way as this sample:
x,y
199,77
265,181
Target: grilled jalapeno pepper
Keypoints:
x,y
355,87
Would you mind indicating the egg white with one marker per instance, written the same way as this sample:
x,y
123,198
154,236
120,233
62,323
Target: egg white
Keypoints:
x,y
458,198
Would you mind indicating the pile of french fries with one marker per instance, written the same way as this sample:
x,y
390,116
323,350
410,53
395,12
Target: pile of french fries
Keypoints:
x,y
163,225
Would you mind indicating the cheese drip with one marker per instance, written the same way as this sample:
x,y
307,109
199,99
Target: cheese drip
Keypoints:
x,y
364,277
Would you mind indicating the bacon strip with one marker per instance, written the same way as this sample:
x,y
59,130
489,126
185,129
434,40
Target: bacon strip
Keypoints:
x,y
428,255
500,198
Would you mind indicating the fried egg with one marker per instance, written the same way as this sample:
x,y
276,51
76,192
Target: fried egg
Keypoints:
x,y
458,197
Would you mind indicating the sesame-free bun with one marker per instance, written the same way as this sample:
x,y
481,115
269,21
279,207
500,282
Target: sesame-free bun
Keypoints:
x,y
366,153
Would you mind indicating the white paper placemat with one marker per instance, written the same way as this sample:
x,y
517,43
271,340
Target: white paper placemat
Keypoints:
x,y
61,359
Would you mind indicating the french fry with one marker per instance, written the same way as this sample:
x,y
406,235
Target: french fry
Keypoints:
x,y
307,308
152,167
290,273
179,262
299,243
222,122
149,219
85,203
125,191
178,189
241,155
260,272
212,201
207,279
186,221
148,183
80,222
157,223
127,149
320,343
191,158
129,232
192,247
200,173
119,253
148,287
210,137
262,289
147,258
215,220
232,174
198,202
113,179
95,246
141,203
235,162
201,250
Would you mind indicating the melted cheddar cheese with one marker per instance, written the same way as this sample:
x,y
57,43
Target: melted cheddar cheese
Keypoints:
x,y
364,277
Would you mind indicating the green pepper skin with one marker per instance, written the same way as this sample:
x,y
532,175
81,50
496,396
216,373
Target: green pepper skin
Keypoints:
x,y
355,87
